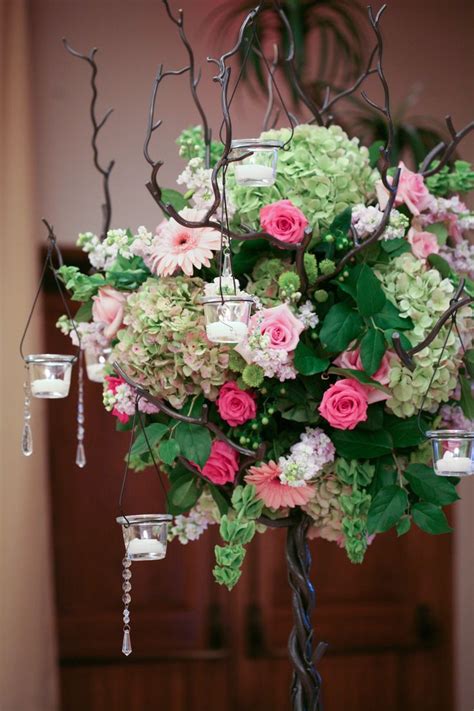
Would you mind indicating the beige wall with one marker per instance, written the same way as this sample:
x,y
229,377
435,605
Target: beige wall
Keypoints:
x,y
428,42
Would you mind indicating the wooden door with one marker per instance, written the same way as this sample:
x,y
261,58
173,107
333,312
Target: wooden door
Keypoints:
x,y
196,646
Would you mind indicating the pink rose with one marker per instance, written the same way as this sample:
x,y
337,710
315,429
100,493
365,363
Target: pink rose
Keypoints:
x,y
284,221
351,359
423,243
236,406
281,326
344,404
412,191
108,308
222,465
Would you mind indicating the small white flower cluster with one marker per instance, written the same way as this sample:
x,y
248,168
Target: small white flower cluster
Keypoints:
x,y
366,221
276,363
197,179
307,315
142,242
91,334
122,400
190,527
460,258
453,417
102,255
307,458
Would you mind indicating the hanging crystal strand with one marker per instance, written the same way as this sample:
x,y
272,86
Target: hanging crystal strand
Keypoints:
x,y
80,452
27,435
126,599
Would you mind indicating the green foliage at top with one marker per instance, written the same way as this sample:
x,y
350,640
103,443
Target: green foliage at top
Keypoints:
x,y
456,179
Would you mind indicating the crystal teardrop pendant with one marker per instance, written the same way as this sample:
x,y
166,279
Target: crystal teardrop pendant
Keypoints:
x,y
127,642
81,460
27,440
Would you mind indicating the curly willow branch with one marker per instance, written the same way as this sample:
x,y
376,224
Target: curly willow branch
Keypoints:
x,y
97,126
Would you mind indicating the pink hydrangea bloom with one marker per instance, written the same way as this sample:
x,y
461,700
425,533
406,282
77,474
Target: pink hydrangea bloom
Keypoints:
x,y
273,493
351,359
178,247
344,404
222,464
284,221
236,406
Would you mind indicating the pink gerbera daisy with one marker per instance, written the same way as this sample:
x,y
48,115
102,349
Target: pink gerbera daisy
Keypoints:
x,y
273,492
176,246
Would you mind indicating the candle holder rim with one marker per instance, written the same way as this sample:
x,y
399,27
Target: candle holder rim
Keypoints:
x,y
256,143
143,518
450,434
51,358
218,299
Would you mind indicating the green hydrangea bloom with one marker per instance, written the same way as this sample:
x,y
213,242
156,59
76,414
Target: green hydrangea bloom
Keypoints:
x,y
322,172
311,267
164,342
253,376
422,295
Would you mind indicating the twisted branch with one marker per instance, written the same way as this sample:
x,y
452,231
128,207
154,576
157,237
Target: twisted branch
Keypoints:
x,y
97,126
444,149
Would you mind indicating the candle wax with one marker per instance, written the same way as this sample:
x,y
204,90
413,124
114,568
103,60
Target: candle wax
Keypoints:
x,y
254,174
95,372
50,388
226,331
143,548
454,465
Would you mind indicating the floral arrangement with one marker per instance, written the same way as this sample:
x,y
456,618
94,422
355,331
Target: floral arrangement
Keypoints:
x,y
316,378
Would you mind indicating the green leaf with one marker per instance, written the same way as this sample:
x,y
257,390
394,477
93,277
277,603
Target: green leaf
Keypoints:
x,y
84,312
404,433
185,492
307,362
403,526
429,487
440,230
388,333
467,401
388,506
469,361
341,223
194,442
374,153
430,518
440,264
174,198
370,296
374,419
168,451
395,247
341,326
359,375
361,444
221,501
306,412
389,317
154,433
372,349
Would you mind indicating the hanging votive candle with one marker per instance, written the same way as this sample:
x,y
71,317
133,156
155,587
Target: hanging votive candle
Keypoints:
x,y
96,360
227,310
145,535
49,375
453,452
257,166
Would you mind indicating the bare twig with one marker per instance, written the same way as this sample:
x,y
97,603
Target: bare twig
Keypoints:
x,y
444,150
97,126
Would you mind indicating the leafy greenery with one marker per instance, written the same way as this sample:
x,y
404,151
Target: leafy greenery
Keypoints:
x,y
387,507
341,326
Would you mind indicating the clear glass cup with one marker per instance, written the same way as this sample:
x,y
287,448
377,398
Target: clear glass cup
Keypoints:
x,y
50,375
259,166
145,536
453,452
96,360
227,317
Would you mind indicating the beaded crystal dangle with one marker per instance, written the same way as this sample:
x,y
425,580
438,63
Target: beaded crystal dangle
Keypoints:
x,y
80,452
126,599
27,436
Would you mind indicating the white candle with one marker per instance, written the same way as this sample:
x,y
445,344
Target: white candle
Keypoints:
x,y
253,174
145,546
452,463
226,331
49,388
95,372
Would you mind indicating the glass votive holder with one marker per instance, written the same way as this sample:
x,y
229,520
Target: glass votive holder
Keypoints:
x,y
227,317
96,360
145,536
453,452
50,375
259,166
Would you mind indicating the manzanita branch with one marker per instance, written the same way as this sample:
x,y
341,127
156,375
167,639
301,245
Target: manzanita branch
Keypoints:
x,y
97,125
444,150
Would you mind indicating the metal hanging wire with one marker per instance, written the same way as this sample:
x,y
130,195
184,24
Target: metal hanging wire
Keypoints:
x,y
53,248
137,418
